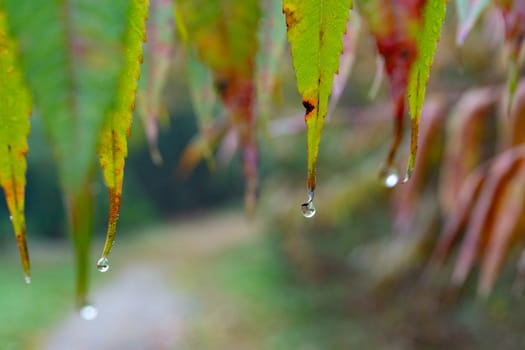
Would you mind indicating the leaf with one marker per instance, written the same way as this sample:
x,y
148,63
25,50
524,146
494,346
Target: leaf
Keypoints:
x,y
72,53
15,108
517,118
79,206
408,198
315,32
513,13
399,28
450,234
468,123
350,39
206,106
200,148
154,72
468,13
224,35
428,36
482,218
272,40
112,147
506,218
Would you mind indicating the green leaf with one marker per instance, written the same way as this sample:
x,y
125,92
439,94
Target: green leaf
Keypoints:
x,y
112,146
72,52
315,33
433,16
154,71
15,108
468,13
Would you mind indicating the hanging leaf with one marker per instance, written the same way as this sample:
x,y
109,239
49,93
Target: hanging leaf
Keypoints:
x,y
403,32
482,218
468,123
513,13
154,72
506,218
450,234
207,108
113,147
72,53
428,36
350,39
15,108
224,35
272,40
468,13
79,207
407,199
315,32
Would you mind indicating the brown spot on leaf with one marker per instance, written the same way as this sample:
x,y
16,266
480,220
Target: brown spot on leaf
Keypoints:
x,y
291,16
308,105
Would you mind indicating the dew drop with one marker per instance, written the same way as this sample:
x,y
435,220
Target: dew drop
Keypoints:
x,y
391,178
27,279
103,264
88,312
308,208
11,217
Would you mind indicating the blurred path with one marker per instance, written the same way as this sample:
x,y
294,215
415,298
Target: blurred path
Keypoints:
x,y
141,307
136,311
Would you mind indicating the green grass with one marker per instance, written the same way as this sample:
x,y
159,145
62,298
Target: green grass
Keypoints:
x,y
28,312
256,296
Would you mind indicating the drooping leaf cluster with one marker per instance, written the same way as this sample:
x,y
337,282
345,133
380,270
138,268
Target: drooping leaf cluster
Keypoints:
x,y
79,62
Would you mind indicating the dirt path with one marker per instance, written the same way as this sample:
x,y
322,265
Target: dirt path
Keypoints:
x,y
141,308
137,310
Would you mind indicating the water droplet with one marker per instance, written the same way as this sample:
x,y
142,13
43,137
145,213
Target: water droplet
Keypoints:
x,y
88,312
11,217
103,264
27,279
391,178
308,208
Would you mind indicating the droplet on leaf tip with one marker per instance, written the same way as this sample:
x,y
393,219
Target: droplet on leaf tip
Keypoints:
x,y
390,178
88,312
103,264
27,279
10,217
308,208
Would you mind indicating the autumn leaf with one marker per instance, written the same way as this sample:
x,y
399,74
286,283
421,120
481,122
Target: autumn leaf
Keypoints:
x,y
15,108
315,32
427,38
224,35
467,124
406,33
112,147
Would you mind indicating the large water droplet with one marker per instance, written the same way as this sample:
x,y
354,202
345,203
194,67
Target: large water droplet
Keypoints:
x,y
308,208
27,279
88,312
103,264
391,178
